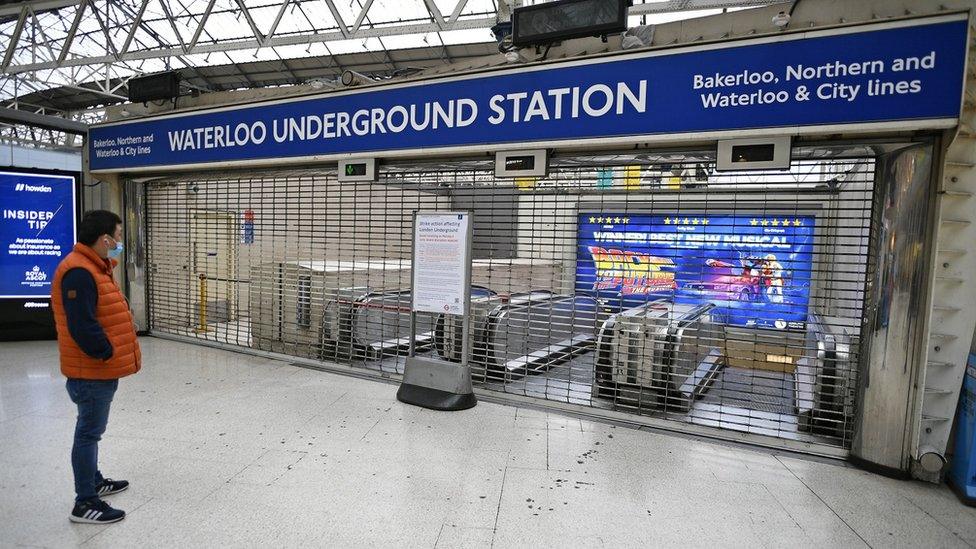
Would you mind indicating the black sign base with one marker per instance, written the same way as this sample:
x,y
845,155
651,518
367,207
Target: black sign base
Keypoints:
x,y
435,399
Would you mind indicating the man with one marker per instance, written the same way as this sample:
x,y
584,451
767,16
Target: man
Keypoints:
x,y
773,276
98,345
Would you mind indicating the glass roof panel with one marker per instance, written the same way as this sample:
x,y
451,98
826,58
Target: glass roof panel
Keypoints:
x,y
167,26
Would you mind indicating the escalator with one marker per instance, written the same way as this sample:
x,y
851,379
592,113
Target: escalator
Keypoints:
x,y
371,325
660,354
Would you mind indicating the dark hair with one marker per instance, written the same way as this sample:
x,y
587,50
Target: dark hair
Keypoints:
x,y
96,223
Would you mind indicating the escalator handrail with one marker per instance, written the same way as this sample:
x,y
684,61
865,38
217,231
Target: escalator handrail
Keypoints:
x,y
605,334
687,318
604,339
674,332
500,312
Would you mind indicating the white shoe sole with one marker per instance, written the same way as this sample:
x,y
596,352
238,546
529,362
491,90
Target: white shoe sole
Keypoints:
x,y
82,520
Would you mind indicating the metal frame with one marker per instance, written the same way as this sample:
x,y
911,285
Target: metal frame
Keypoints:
x,y
337,29
97,45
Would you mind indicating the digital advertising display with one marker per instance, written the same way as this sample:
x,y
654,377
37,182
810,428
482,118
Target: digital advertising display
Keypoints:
x,y
755,268
37,229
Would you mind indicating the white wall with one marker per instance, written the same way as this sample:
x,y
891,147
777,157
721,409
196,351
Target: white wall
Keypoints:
x,y
42,159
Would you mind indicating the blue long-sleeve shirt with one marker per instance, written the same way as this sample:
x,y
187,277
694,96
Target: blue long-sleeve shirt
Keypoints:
x,y
80,296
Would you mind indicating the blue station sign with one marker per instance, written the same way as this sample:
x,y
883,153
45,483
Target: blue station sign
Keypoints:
x,y
901,71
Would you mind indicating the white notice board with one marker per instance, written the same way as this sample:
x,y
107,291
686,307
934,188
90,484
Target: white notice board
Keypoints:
x,y
441,262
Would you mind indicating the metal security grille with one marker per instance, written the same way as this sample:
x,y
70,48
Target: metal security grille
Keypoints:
x,y
643,283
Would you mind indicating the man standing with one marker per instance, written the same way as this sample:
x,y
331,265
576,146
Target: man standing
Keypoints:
x,y
98,345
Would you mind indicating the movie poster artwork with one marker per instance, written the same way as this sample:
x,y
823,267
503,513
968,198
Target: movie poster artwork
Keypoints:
x,y
755,268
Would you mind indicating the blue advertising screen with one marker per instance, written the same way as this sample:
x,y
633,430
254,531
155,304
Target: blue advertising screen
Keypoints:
x,y
859,75
755,268
37,229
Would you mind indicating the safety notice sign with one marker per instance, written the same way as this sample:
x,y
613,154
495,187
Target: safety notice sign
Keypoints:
x,y
441,262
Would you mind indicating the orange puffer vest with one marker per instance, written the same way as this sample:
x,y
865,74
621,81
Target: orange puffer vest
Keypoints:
x,y
112,312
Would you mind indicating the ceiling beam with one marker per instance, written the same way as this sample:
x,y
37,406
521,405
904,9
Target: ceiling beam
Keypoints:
x,y
203,21
343,30
248,44
362,15
250,22
14,39
435,13
96,91
70,38
35,120
277,20
172,24
135,26
672,6
457,10
10,10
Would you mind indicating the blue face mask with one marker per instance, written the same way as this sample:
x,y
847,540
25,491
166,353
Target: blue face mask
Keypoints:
x,y
117,251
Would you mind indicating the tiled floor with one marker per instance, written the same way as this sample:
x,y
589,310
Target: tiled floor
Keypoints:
x,y
230,450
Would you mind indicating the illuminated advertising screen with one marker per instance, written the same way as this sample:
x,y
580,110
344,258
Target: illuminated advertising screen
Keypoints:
x,y
37,229
755,268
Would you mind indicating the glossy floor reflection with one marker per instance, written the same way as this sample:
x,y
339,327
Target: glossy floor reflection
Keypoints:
x,y
226,449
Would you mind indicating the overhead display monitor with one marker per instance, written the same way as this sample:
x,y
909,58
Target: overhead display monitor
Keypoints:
x,y
755,268
565,19
37,229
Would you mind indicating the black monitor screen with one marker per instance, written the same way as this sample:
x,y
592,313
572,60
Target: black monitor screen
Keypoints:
x,y
566,19
356,169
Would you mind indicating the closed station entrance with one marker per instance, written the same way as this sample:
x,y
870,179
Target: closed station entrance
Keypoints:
x,y
643,283
649,244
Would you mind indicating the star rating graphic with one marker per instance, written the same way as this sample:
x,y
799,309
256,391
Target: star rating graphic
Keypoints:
x,y
775,222
686,221
678,220
609,219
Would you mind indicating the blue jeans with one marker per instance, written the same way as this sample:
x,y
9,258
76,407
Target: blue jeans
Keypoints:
x,y
93,398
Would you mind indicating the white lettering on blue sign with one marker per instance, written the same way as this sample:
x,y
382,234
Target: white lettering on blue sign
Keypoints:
x,y
878,73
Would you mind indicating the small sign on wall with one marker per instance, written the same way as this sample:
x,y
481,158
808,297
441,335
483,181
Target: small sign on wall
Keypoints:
x,y
522,164
357,170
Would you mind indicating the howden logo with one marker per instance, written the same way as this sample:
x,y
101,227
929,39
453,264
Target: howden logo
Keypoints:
x,y
21,187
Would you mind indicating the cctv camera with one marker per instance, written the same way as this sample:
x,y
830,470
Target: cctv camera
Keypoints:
x,y
353,78
781,19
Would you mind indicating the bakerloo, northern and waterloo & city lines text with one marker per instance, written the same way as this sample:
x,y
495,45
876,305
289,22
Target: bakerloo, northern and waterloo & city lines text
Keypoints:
x,y
824,91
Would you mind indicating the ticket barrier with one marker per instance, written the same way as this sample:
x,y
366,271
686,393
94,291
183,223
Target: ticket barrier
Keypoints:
x,y
659,354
